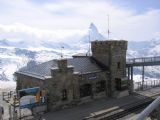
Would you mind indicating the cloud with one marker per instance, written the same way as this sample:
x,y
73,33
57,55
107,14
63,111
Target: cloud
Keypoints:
x,y
139,27
19,32
50,20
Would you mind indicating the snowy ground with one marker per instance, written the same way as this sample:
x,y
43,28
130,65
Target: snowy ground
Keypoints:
x,y
7,85
138,78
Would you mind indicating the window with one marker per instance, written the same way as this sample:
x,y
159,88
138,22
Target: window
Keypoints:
x,y
100,86
118,65
120,84
85,90
64,94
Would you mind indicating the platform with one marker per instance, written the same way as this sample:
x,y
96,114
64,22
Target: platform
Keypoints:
x,y
96,106
84,110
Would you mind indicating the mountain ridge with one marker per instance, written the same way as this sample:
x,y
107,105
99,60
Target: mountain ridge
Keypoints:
x,y
16,54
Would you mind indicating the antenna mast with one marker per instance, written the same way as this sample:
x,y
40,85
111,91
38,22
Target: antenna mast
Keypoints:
x,y
108,27
62,51
89,37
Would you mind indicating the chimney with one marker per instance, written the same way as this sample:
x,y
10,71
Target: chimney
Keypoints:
x,y
62,67
62,64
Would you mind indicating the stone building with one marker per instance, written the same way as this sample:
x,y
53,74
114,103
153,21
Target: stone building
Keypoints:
x,y
81,78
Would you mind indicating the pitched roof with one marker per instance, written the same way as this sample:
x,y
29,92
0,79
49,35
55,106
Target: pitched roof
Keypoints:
x,y
81,64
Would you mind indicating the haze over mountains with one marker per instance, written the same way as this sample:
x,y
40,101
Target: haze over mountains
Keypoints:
x,y
16,54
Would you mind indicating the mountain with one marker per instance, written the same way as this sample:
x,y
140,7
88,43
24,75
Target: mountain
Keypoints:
x,y
69,42
145,49
16,54
93,34
4,42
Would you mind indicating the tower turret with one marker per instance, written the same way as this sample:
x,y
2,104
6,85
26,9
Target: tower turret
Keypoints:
x,y
112,54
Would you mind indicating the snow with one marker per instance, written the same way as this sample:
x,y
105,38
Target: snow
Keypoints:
x,y
16,54
155,51
138,78
7,85
9,70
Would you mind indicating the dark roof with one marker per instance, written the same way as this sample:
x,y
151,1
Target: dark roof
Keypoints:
x,y
81,64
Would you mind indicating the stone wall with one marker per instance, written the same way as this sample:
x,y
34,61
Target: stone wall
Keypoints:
x,y
24,81
93,79
71,82
112,54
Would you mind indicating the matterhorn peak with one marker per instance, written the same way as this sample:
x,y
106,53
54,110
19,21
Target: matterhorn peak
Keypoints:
x,y
93,28
94,33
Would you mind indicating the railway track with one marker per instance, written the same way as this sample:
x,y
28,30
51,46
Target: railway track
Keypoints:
x,y
122,111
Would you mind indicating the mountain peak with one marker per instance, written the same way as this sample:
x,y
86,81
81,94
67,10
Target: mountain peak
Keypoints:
x,y
4,42
94,33
92,27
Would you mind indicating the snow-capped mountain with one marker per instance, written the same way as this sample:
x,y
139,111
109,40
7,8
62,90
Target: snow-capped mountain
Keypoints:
x,y
145,49
16,54
69,42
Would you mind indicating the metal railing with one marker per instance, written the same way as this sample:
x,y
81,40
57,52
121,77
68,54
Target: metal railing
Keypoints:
x,y
146,85
147,112
143,60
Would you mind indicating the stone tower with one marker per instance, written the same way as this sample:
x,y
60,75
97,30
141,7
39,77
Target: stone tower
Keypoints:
x,y
112,54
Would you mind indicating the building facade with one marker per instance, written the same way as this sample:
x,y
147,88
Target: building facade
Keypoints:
x,y
81,78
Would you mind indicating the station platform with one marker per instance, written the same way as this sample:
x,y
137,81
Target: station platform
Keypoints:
x,y
96,106
101,105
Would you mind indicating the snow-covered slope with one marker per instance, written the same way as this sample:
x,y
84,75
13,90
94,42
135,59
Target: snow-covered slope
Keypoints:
x,y
16,54
145,49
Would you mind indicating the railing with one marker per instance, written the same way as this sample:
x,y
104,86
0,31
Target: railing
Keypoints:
x,y
143,60
6,96
149,111
146,85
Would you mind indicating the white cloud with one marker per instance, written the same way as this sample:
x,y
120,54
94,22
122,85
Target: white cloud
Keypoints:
x,y
19,31
139,27
23,19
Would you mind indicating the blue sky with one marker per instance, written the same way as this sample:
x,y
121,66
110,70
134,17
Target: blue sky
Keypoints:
x,y
139,5
49,19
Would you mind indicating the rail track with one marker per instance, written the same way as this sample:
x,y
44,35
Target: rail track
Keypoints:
x,y
122,111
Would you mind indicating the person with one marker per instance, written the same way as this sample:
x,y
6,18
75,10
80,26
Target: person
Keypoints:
x,y
1,112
